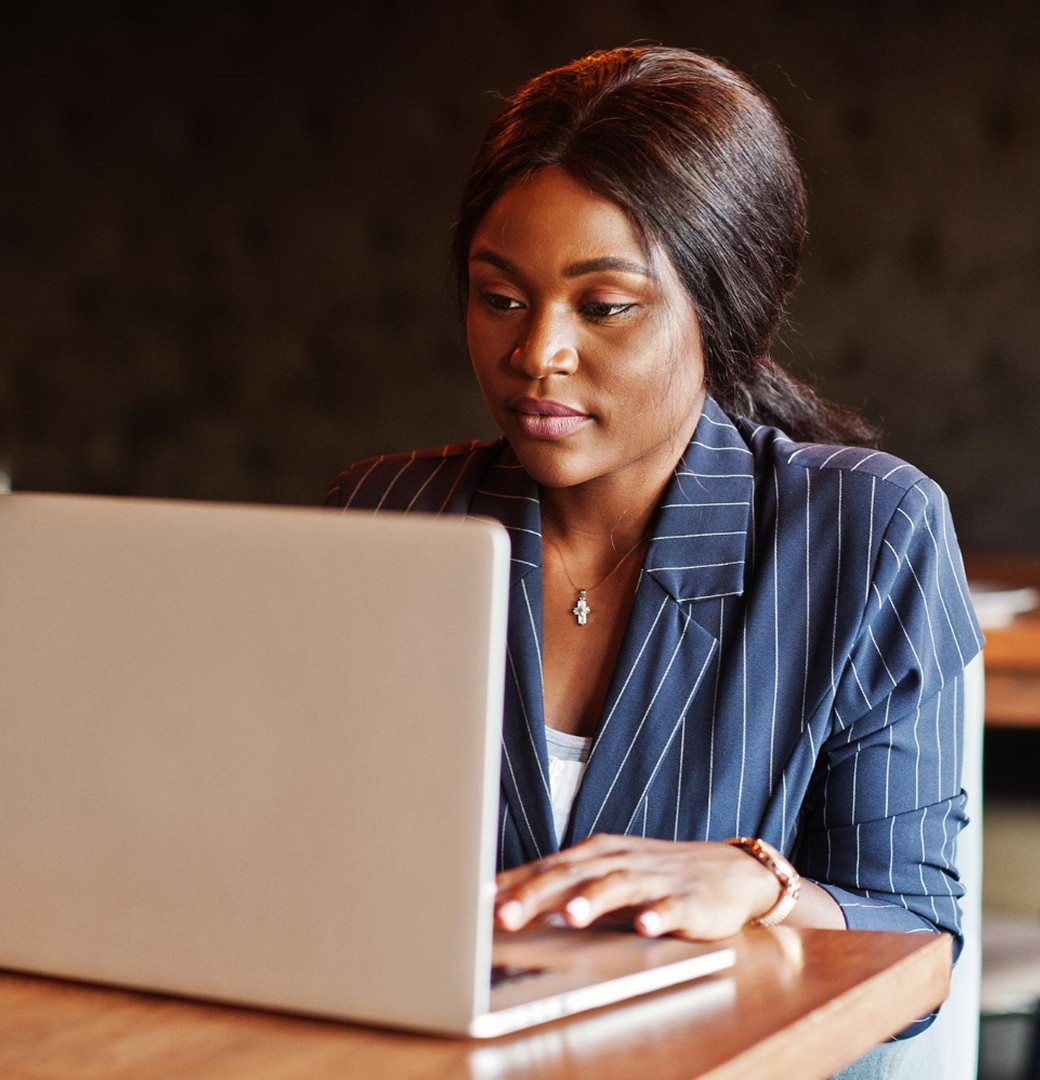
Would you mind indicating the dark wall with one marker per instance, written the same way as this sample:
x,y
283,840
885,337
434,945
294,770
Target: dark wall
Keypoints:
x,y
224,229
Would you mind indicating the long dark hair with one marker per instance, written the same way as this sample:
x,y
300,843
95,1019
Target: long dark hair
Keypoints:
x,y
702,163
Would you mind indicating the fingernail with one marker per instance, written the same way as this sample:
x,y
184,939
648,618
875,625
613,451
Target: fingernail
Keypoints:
x,y
511,913
650,923
579,911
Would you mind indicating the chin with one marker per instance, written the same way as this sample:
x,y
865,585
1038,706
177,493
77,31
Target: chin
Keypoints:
x,y
550,465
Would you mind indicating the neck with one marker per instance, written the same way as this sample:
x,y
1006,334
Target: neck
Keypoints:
x,y
580,518
591,536
614,510
608,513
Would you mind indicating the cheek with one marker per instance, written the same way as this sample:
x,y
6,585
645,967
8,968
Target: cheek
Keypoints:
x,y
672,373
476,343
684,378
485,337
484,358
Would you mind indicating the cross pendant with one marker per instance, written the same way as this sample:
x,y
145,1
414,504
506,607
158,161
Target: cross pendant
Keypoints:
x,y
581,609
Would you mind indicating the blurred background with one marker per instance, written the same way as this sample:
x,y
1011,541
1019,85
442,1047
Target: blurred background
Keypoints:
x,y
224,229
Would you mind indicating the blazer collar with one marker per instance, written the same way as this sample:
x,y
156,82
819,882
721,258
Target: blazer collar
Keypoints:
x,y
697,552
707,506
508,494
706,511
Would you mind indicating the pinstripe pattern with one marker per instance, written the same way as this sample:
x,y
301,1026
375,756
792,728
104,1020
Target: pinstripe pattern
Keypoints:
x,y
791,666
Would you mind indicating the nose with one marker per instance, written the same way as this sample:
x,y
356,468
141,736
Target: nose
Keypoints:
x,y
546,348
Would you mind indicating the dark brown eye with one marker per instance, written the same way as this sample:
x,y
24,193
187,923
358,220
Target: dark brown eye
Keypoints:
x,y
601,309
499,301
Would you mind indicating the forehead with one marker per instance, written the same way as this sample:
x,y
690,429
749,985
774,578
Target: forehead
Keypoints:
x,y
551,211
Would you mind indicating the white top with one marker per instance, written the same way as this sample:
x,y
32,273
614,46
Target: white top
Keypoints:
x,y
568,756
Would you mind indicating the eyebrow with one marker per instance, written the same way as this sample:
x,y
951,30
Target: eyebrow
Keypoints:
x,y
578,269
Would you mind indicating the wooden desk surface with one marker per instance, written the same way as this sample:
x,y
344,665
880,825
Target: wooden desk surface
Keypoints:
x,y
1012,656
798,1005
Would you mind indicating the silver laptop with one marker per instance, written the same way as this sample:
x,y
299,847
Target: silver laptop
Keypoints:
x,y
250,754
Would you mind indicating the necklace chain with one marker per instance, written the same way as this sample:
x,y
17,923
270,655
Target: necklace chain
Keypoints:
x,y
581,609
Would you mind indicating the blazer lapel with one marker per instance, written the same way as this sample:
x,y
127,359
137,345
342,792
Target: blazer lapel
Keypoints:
x,y
696,556
509,494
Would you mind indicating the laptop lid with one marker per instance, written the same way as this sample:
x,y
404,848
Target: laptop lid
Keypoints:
x,y
251,754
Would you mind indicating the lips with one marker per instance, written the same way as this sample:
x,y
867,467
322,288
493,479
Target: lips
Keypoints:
x,y
546,419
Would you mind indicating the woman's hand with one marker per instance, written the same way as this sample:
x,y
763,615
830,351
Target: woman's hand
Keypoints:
x,y
694,890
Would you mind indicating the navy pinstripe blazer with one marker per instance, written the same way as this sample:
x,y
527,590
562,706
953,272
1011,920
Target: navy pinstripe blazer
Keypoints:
x,y
791,669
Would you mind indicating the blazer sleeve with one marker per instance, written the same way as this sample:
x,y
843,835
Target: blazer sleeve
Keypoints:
x,y
881,821
440,480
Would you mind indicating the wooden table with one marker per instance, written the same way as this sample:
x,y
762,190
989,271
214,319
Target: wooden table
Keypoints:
x,y
798,1005
1012,657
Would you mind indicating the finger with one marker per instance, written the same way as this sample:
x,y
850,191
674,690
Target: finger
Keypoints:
x,y
593,848
596,847
546,892
620,888
547,885
694,916
511,915
506,880
557,882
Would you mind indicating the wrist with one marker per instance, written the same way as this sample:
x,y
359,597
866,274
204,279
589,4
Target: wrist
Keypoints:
x,y
783,871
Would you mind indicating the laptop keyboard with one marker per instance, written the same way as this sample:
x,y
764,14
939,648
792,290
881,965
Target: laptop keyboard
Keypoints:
x,y
504,974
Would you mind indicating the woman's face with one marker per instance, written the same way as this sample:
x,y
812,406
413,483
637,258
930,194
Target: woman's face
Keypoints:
x,y
585,344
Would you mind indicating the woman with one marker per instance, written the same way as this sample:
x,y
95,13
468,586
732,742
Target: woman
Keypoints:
x,y
730,633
